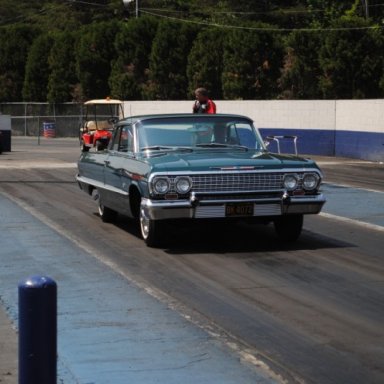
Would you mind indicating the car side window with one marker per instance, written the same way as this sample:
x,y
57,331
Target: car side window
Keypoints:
x,y
123,139
242,134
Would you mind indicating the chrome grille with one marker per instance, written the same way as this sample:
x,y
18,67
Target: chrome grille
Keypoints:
x,y
237,182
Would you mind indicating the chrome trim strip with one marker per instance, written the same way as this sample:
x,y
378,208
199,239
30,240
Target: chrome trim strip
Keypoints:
x,y
242,192
256,201
89,181
98,184
165,203
318,199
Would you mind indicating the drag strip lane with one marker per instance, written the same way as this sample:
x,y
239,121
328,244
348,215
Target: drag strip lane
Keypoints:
x,y
313,310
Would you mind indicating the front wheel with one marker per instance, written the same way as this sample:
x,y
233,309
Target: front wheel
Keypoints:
x,y
150,229
108,215
288,228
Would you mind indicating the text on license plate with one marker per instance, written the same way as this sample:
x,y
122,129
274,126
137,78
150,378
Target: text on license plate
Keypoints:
x,y
239,209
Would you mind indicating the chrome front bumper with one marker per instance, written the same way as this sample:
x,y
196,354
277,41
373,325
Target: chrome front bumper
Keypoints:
x,y
210,209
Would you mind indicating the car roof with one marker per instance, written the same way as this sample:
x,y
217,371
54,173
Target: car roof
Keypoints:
x,y
134,119
103,101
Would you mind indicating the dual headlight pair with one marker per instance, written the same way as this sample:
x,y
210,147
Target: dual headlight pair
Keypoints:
x,y
181,185
307,181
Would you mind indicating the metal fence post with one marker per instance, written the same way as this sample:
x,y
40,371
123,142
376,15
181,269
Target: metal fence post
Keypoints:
x,y
37,331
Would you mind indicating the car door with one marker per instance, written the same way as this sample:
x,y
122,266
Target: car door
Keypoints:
x,y
120,155
91,168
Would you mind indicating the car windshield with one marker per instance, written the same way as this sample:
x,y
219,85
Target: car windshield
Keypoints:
x,y
187,132
103,112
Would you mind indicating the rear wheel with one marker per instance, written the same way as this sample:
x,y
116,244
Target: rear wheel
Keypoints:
x,y
150,229
108,215
288,228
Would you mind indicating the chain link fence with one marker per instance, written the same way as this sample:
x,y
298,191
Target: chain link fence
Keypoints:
x,y
28,119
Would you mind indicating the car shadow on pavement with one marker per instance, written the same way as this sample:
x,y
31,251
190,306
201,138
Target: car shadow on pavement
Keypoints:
x,y
218,237
241,239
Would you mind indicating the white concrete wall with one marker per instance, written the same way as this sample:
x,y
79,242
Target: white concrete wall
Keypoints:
x,y
360,115
351,128
284,113
348,115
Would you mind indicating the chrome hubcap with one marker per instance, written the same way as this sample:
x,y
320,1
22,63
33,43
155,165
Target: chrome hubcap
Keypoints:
x,y
144,223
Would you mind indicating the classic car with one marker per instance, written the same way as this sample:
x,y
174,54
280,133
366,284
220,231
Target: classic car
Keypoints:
x,y
97,125
198,167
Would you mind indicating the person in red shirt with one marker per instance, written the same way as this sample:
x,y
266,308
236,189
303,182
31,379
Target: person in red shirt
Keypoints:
x,y
203,103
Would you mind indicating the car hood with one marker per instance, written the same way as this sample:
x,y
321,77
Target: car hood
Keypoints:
x,y
200,161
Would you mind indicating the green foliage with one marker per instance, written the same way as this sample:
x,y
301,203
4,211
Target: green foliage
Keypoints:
x,y
37,70
350,63
205,62
94,53
58,15
168,61
251,64
76,50
62,80
301,69
130,68
14,47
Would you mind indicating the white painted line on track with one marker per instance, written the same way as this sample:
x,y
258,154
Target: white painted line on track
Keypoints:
x,y
347,220
36,165
350,186
341,163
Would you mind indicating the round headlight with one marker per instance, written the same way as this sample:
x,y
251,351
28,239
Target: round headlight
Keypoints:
x,y
291,182
310,181
161,185
183,184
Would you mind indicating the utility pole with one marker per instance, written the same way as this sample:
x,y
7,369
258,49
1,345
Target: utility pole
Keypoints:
x,y
127,2
365,5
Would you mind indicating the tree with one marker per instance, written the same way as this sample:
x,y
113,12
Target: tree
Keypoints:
x,y
301,69
351,61
14,47
37,70
94,53
205,62
168,61
130,69
251,64
62,80
237,56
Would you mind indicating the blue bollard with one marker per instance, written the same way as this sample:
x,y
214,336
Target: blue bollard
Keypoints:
x,y
37,331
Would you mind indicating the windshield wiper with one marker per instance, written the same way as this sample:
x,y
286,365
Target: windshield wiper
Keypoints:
x,y
155,148
166,148
220,145
213,145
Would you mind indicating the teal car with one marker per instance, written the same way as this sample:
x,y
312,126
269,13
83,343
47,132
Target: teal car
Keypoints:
x,y
198,167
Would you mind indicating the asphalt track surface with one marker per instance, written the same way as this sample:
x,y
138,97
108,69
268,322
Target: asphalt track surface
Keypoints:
x,y
312,312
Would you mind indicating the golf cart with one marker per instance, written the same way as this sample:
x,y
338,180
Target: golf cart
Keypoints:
x,y
100,117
